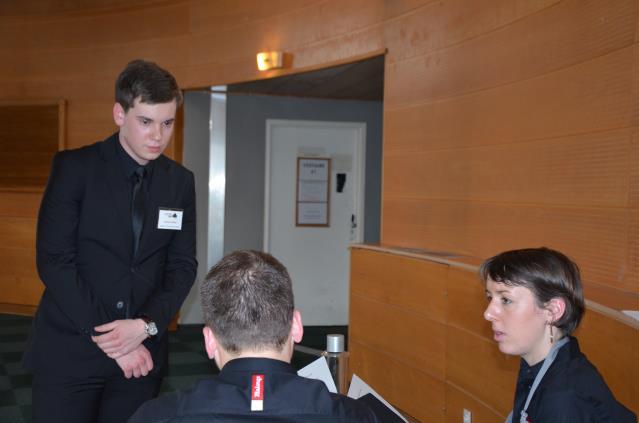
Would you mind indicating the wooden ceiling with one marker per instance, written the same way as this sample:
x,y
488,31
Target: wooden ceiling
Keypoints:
x,y
363,80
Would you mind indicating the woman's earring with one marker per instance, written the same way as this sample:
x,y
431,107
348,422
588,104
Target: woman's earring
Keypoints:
x,y
552,335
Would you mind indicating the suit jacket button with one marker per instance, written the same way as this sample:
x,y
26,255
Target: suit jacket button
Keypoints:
x,y
119,305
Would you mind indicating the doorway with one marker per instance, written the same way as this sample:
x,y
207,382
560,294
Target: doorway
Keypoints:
x,y
346,93
316,255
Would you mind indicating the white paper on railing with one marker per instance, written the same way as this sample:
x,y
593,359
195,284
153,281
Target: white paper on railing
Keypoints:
x,y
319,370
359,388
631,313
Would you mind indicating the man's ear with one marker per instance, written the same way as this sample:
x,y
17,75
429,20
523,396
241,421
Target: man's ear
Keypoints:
x,y
118,114
297,328
556,307
210,343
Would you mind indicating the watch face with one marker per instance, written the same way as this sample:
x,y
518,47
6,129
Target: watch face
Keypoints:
x,y
151,329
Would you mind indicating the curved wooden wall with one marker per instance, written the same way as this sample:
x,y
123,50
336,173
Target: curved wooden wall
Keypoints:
x,y
418,336
507,123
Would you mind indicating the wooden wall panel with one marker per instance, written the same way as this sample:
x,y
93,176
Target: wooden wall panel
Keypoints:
x,y
19,280
592,96
634,170
554,38
17,232
415,285
409,388
223,15
597,238
476,365
300,26
418,342
435,25
467,302
63,31
457,400
19,204
586,170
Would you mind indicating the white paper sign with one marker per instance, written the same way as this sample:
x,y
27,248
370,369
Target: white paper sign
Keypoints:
x,y
318,369
313,169
312,213
312,191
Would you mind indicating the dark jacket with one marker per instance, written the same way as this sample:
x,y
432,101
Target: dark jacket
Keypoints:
x,y
572,391
84,254
288,398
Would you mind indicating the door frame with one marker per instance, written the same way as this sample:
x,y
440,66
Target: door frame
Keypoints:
x,y
358,171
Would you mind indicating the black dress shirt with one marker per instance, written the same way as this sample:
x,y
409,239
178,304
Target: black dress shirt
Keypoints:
x,y
288,398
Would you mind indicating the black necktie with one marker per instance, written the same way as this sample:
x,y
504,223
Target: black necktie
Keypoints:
x,y
137,207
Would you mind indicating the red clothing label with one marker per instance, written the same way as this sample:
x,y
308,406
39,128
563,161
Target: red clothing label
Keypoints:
x,y
257,387
257,393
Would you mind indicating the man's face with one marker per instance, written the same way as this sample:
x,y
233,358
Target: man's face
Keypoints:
x,y
145,129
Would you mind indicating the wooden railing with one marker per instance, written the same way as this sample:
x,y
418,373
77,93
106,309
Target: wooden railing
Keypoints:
x,y
418,336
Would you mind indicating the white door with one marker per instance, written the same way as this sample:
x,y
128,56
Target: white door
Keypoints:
x,y
317,258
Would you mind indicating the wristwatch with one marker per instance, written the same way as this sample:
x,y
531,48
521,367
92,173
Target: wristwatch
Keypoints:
x,y
149,327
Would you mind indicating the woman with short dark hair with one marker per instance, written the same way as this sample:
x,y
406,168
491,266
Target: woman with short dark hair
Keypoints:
x,y
535,303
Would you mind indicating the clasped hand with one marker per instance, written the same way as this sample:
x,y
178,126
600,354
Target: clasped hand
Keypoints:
x,y
120,337
122,341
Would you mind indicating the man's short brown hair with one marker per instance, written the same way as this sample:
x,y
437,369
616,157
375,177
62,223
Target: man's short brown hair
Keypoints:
x,y
149,82
247,298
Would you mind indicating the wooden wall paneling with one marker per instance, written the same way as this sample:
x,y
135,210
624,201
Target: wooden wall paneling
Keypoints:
x,y
457,400
589,170
416,285
396,8
467,302
409,388
30,137
20,204
595,237
546,40
332,52
633,169
475,364
592,96
631,276
611,343
17,232
223,15
88,122
340,36
297,27
65,64
409,337
85,30
48,7
434,25
20,291
19,280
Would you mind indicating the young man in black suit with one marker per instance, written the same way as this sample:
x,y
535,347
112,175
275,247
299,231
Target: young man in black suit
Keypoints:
x,y
251,329
116,252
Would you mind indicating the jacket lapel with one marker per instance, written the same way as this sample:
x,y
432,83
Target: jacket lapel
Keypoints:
x,y
119,189
160,193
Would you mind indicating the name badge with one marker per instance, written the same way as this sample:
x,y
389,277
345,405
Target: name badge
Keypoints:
x,y
170,219
257,393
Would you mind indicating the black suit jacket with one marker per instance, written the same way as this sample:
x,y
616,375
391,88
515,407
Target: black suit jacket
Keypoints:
x,y
226,398
85,258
